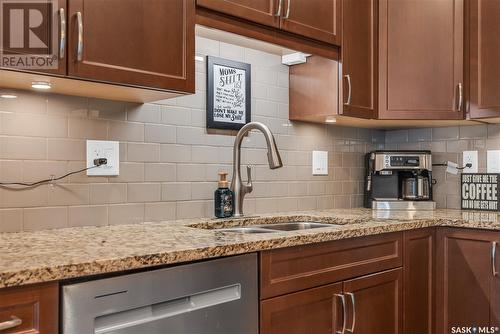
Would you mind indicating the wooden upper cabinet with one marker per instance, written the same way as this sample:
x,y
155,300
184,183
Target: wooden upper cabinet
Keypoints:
x,y
314,90
421,59
315,310
61,13
30,310
468,289
483,60
147,43
316,19
375,303
359,58
259,11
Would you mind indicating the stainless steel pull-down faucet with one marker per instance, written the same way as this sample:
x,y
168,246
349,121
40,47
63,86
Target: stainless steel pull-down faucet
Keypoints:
x,y
273,156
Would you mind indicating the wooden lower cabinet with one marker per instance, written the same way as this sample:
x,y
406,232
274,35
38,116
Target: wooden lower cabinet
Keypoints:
x,y
375,303
30,310
371,304
468,284
314,310
419,277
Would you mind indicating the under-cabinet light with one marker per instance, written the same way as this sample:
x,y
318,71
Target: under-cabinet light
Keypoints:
x,y
41,85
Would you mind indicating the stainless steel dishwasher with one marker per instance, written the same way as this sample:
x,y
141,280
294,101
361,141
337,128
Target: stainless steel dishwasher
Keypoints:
x,y
218,296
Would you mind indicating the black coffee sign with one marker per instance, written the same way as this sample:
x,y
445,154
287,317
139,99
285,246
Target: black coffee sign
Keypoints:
x,y
480,192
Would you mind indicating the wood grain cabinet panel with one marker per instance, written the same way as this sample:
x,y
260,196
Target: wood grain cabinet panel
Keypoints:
x,y
419,278
359,58
375,303
314,90
258,11
314,310
316,19
297,268
467,287
148,43
483,60
36,307
421,59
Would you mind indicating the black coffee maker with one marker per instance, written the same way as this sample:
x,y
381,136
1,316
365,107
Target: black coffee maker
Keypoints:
x,y
399,180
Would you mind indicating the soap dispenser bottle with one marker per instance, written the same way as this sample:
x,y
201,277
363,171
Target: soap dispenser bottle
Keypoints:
x,y
223,198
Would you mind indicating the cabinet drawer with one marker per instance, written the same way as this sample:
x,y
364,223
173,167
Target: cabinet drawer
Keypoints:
x,y
311,311
297,268
35,306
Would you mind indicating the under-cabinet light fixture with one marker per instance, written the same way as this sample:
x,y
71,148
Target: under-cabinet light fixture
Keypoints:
x,y
330,120
8,96
41,85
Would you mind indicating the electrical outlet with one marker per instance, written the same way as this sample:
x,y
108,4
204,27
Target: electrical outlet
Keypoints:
x,y
470,157
103,149
320,163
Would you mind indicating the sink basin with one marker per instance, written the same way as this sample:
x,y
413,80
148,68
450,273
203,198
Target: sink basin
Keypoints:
x,y
270,228
295,226
246,230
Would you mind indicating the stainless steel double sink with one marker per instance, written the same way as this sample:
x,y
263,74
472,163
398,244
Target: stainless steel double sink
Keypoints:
x,y
278,227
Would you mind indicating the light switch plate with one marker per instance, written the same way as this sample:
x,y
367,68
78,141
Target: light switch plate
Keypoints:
x,y
103,149
493,161
472,158
320,163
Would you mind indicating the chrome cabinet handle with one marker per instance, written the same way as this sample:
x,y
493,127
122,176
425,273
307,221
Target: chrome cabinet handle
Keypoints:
x,y
494,258
62,33
79,45
280,5
460,96
353,302
349,95
344,314
13,322
287,15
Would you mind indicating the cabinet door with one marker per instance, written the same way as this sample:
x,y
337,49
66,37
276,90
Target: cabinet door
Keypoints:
x,y
32,309
148,43
58,38
421,59
317,311
419,276
484,52
259,11
465,279
376,303
359,58
316,19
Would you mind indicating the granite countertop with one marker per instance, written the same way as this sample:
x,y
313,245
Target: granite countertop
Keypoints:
x,y
35,257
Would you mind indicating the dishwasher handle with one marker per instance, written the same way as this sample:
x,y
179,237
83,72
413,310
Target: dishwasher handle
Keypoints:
x,y
110,323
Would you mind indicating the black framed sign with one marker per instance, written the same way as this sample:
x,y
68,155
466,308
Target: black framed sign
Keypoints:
x,y
480,191
228,94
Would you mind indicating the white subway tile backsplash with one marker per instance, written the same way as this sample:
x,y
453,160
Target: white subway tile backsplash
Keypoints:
x,y
169,160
